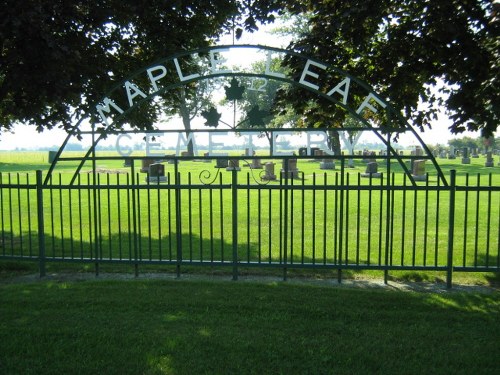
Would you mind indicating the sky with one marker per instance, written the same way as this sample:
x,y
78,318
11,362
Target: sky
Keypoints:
x,y
26,137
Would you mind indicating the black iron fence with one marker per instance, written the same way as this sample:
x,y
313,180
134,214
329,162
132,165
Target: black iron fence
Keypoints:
x,y
328,220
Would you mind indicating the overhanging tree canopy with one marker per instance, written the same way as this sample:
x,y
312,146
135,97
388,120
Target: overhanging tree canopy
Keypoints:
x,y
59,57
407,48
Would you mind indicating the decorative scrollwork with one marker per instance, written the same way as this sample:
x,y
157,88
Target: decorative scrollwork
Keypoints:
x,y
206,178
260,180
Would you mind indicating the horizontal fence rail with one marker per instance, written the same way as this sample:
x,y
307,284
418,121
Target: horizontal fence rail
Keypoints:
x,y
329,220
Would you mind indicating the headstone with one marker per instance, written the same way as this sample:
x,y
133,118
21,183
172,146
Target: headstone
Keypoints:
x,y
418,151
451,154
489,159
327,164
256,164
233,165
465,156
156,173
474,153
292,170
269,172
127,162
145,165
442,155
418,171
371,170
221,163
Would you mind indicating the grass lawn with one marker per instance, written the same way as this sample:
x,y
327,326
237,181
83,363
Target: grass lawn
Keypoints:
x,y
419,230
194,327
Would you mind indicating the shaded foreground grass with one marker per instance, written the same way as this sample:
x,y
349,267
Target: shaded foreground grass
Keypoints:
x,y
193,327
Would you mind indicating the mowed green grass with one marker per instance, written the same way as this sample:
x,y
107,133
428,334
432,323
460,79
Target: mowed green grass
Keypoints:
x,y
209,327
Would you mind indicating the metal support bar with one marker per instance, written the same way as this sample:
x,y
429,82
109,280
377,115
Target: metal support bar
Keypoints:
x,y
234,199
41,225
451,230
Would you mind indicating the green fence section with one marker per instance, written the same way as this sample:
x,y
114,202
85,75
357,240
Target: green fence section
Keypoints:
x,y
327,220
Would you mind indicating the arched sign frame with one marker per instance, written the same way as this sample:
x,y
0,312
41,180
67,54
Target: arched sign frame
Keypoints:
x,y
309,80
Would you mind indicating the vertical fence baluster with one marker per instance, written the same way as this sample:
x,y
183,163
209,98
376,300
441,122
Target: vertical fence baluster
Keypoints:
x,y
234,199
119,216
403,222
341,219
436,240
190,217
30,231
1,215
200,217
380,227
325,210
221,218
488,223
476,224
347,205
414,227
451,230
391,182
259,224
71,232
313,214
248,217
358,222
108,196
178,222
19,214
302,222
41,224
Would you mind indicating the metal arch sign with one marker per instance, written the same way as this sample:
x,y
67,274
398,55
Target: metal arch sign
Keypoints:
x,y
312,78
315,76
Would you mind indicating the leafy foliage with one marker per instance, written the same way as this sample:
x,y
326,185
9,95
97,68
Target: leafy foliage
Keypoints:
x,y
58,58
435,52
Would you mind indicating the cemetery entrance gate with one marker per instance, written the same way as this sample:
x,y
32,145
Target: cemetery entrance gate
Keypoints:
x,y
171,191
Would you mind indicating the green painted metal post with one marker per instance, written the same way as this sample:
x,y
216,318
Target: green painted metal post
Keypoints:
x,y
234,197
41,224
451,230
178,212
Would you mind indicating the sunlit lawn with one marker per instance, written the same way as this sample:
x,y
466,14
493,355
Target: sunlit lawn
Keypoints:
x,y
188,327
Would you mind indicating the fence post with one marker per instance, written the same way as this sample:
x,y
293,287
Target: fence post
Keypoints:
x,y
178,214
451,230
41,224
234,197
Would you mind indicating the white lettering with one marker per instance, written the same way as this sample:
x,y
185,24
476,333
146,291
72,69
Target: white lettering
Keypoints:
x,y
179,72
250,144
366,104
307,72
156,78
123,152
152,145
321,143
344,92
107,103
282,143
183,141
212,144
214,61
132,92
